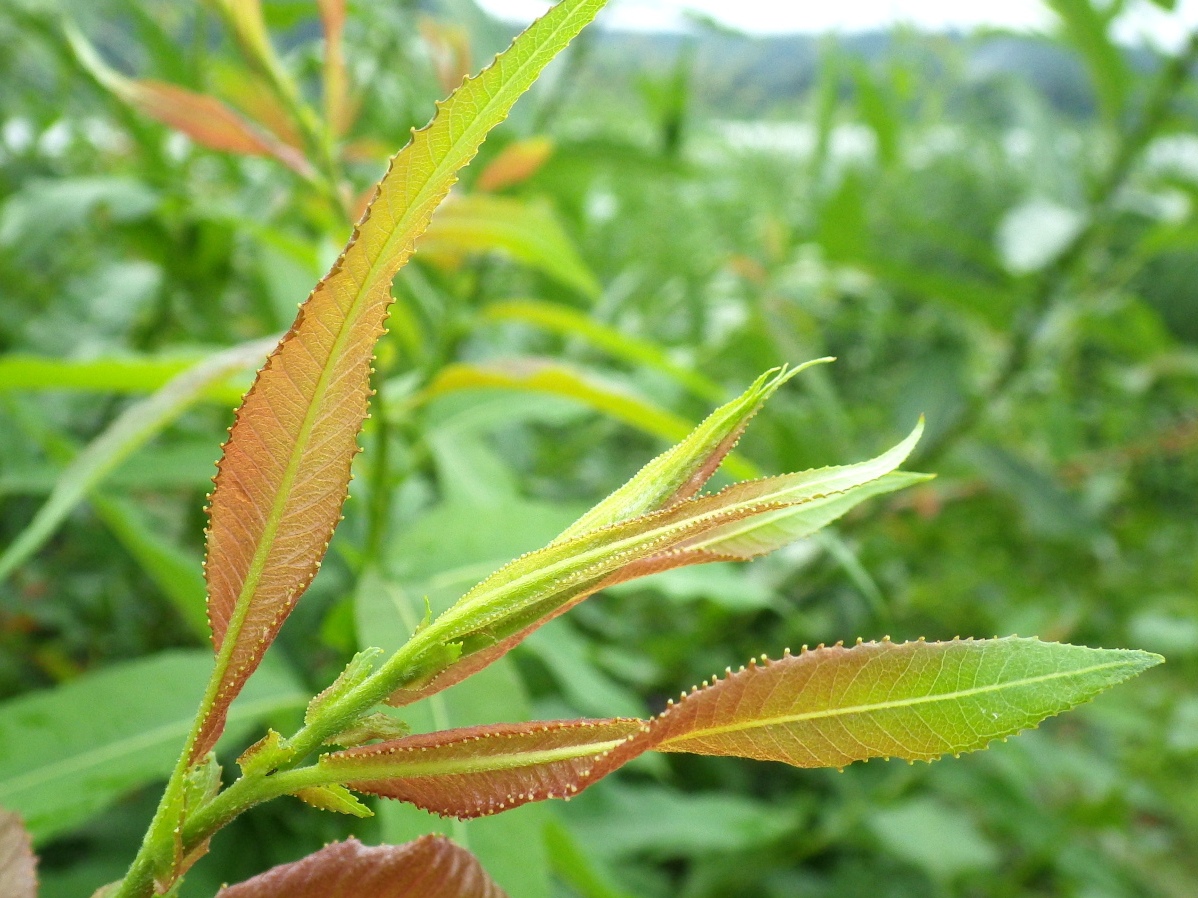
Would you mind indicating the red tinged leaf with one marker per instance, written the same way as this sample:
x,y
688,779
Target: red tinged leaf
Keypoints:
x,y
822,708
430,867
18,865
286,468
204,119
477,771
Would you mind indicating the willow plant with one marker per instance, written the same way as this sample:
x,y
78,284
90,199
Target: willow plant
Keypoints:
x,y
278,497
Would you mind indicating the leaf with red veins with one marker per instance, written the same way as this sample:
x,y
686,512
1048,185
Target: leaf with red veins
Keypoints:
x,y
477,771
430,867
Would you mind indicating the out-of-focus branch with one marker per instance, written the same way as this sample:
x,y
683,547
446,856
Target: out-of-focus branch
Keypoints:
x,y
1168,85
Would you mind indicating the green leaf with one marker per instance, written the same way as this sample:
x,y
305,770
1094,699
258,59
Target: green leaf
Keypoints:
x,y
176,572
112,374
529,233
131,429
68,752
916,700
556,379
822,708
569,322
285,473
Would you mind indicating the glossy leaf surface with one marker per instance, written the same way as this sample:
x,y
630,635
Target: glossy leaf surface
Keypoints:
x,y
18,866
286,468
826,707
430,867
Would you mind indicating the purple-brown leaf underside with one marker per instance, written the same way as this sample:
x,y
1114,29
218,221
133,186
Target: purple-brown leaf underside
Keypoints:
x,y
477,771
18,865
827,707
430,867
286,468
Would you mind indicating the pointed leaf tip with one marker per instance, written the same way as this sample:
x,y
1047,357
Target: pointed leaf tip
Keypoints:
x,y
286,469
920,700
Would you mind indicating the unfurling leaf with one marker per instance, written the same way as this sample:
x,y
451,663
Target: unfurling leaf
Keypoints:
x,y
204,119
286,467
430,867
681,471
738,523
825,707
482,770
18,865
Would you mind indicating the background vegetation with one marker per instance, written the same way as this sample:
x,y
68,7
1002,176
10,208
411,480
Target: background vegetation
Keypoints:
x,y
998,232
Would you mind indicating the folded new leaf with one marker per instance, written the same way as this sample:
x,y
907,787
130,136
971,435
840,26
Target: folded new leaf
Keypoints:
x,y
737,523
825,707
430,867
286,467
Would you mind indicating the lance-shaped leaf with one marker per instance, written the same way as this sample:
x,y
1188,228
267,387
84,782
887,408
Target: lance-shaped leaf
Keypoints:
x,y
430,867
825,707
204,119
286,467
18,865
742,521
482,770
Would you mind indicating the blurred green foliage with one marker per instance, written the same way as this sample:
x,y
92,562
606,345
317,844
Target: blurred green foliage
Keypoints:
x,y
1012,256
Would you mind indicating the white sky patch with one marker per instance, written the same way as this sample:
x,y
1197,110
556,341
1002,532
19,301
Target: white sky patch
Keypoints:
x,y
1143,21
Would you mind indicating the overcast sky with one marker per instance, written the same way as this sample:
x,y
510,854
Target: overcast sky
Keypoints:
x,y
1143,20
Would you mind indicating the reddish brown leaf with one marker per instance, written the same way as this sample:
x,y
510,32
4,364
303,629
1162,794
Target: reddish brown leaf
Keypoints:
x,y
286,467
477,771
204,119
823,708
18,865
430,867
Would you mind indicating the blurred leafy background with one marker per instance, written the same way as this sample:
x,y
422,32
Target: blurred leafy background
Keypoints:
x,y
998,230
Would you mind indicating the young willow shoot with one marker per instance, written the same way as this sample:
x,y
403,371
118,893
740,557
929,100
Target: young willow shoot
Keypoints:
x,y
278,496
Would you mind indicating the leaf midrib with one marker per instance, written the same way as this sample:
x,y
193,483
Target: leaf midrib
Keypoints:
x,y
420,200
783,719
482,765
